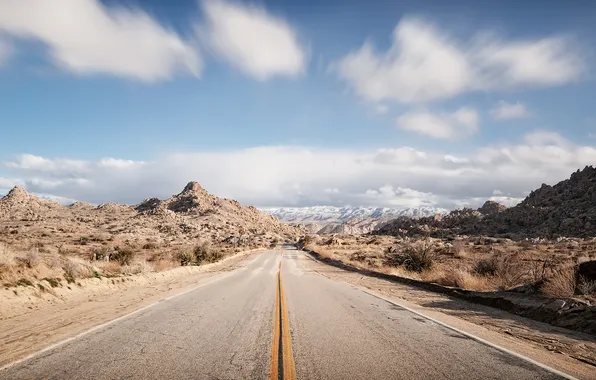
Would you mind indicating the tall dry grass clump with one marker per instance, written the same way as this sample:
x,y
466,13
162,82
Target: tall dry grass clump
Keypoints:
x,y
415,257
561,284
75,268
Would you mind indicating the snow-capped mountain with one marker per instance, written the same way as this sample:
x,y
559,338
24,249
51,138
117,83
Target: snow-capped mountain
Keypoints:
x,y
330,214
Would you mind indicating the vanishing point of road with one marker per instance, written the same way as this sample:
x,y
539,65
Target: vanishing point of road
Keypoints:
x,y
274,318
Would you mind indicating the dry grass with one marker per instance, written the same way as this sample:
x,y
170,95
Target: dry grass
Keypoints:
x,y
461,278
586,287
459,250
561,284
137,268
475,263
75,268
415,257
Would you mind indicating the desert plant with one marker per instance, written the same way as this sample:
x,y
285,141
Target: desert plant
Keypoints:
x,y
586,287
186,257
30,259
414,257
24,282
100,254
149,245
74,269
54,282
459,249
124,255
487,267
204,252
561,284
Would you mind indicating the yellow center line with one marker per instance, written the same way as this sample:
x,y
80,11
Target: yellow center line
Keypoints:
x,y
282,359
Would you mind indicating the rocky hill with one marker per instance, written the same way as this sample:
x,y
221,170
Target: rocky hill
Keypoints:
x,y
567,209
185,218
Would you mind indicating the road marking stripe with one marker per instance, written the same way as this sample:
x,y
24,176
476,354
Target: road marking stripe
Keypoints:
x,y
281,346
469,335
289,368
274,370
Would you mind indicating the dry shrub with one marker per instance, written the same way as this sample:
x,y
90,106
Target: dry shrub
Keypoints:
x,y
487,267
185,257
75,268
561,284
322,252
30,259
505,271
108,268
204,252
123,255
358,256
459,249
463,278
7,257
586,287
161,265
137,268
415,257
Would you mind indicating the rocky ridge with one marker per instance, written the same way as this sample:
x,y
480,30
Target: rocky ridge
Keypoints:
x,y
567,209
191,215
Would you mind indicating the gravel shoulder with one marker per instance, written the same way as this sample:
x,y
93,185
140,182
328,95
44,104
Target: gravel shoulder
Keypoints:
x,y
33,320
565,350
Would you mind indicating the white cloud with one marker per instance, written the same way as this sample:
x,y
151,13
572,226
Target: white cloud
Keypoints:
x,y
6,50
444,126
508,111
250,39
86,37
381,109
301,176
426,63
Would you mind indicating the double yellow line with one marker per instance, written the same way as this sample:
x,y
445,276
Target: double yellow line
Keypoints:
x,y
282,360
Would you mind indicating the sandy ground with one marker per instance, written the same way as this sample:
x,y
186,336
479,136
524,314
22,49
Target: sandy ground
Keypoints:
x,y
33,319
568,351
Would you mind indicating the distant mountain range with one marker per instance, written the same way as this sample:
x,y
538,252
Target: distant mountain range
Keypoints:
x,y
336,215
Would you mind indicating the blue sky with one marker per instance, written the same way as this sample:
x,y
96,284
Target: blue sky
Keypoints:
x,y
296,103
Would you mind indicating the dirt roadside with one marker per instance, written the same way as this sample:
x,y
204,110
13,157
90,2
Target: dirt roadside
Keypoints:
x,y
568,351
31,322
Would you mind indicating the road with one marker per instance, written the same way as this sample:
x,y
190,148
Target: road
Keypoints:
x,y
259,320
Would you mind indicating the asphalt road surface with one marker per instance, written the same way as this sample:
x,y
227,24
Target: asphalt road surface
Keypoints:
x,y
233,328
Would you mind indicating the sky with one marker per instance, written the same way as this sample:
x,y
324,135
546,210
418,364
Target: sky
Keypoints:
x,y
281,103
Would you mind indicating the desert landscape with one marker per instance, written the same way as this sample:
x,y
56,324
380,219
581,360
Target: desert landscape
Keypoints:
x,y
533,260
541,250
45,245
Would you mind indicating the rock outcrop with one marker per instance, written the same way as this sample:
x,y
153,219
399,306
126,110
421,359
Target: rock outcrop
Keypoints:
x,y
567,209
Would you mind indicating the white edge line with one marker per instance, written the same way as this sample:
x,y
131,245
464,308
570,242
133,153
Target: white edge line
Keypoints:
x,y
105,324
469,335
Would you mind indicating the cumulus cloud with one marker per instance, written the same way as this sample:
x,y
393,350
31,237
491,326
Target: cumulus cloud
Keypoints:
x,y
509,111
444,126
426,63
87,37
5,50
302,176
252,40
